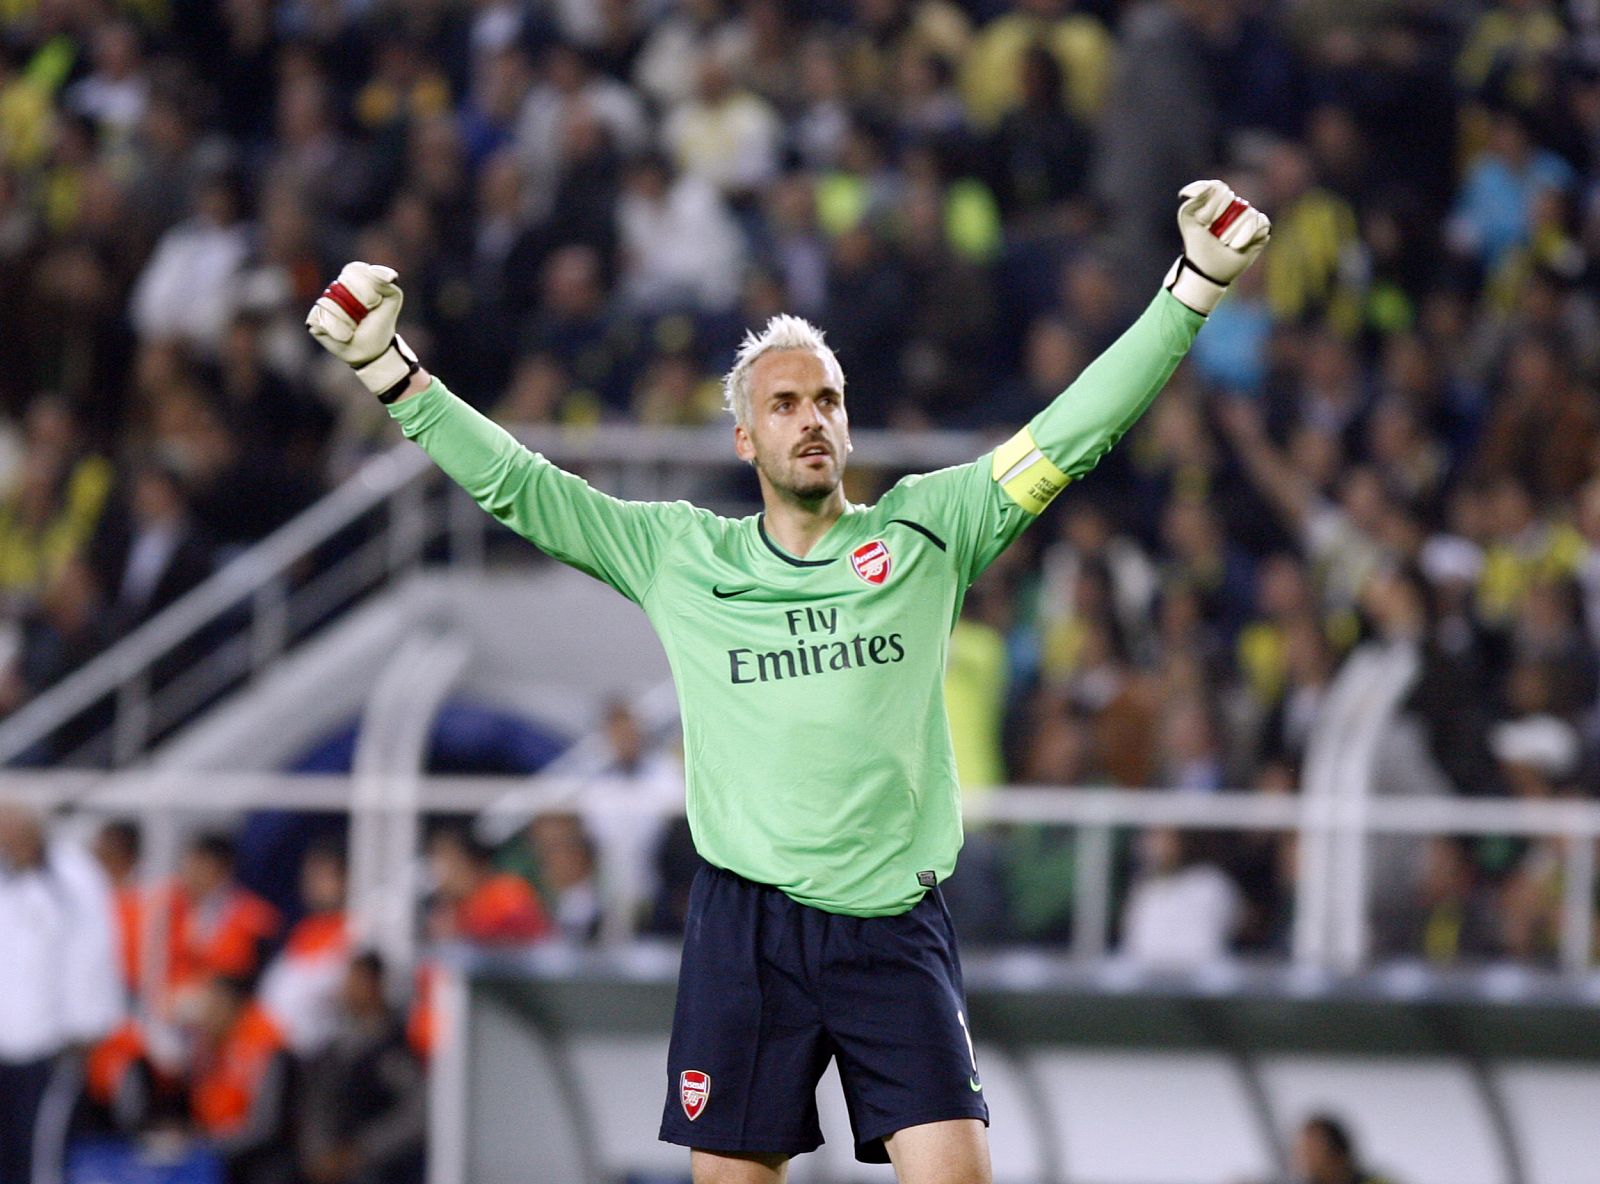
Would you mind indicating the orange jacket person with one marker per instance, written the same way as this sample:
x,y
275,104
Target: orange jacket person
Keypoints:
x,y
478,903
300,989
239,1083
214,926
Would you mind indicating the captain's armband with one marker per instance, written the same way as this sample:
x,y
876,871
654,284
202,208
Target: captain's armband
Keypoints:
x,y
1026,474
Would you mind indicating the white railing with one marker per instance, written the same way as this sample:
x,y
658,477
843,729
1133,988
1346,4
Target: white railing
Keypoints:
x,y
1093,813
254,599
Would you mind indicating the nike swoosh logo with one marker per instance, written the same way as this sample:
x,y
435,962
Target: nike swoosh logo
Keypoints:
x,y
729,593
977,1086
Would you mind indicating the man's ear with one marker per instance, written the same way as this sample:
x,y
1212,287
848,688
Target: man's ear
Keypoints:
x,y
743,446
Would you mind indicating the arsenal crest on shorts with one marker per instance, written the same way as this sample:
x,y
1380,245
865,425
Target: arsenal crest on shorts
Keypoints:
x,y
871,561
694,1088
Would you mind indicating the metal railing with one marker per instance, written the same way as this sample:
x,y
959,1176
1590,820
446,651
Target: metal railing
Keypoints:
x,y
250,611
1094,814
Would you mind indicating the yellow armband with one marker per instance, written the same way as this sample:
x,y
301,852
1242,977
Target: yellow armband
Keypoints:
x,y
1026,474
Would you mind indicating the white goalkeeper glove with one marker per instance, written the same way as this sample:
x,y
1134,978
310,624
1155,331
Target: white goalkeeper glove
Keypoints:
x,y
1222,235
354,320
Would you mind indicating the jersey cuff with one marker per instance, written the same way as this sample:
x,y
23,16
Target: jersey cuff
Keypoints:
x,y
1026,474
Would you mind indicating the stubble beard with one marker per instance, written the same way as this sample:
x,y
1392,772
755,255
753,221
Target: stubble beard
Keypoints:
x,y
804,488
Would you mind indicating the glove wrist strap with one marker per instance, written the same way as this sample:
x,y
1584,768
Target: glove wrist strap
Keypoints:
x,y
388,374
1193,288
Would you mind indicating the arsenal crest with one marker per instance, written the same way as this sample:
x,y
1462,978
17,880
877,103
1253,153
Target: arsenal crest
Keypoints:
x,y
694,1088
871,561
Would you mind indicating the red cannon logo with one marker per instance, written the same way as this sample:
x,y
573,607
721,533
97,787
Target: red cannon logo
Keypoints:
x,y
871,561
694,1089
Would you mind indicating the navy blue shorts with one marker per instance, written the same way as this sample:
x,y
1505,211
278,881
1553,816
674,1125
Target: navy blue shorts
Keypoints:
x,y
771,989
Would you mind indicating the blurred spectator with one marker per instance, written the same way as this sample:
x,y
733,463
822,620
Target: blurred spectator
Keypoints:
x,y
1182,910
300,987
673,390
571,91
642,788
926,106
476,903
117,848
1324,1153
185,293
1538,754
573,323
724,135
505,252
865,316
820,128
1157,133
1199,557
1038,862
59,990
215,927
677,42
1317,250
361,1099
681,249
115,91
793,246
1298,692
239,1082
1523,547
1588,518
1043,153
1494,207
59,633
994,81
53,506
569,872
1453,918
1054,354
975,679
1545,429
153,558
1340,537
489,114
1191,757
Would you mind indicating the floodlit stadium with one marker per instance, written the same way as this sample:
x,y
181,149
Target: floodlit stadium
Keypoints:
x,y
1149,447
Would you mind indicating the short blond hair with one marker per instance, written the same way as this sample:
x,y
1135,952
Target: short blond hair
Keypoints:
x,y
781,332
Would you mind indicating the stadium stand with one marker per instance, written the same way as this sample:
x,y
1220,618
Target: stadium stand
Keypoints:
x,y
1381,465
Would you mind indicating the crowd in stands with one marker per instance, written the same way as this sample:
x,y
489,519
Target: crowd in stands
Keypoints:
x,y
1388,436
269,1040
264,1044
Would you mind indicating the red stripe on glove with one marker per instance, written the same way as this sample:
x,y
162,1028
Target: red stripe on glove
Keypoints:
x,y
343,297
1229,216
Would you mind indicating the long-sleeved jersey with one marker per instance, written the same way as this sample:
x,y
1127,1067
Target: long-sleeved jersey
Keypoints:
x,y
811,689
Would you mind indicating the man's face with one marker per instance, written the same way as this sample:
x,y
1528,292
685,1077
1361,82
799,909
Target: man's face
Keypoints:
x,y
21,839
201,873
798,434
1314,1159
322,883
452,871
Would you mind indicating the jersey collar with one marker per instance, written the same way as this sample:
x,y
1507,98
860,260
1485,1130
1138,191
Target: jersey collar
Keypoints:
x,y
761,527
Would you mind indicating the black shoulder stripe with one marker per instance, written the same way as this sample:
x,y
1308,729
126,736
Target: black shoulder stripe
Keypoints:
x,y
922,530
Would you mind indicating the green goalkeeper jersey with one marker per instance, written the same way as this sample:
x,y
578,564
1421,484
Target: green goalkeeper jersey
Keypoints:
x,y
816,745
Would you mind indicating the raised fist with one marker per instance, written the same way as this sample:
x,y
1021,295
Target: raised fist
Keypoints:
x,y
1222,235
354,320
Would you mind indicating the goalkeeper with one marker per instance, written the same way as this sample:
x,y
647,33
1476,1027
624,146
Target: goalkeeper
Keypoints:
x,y
808,647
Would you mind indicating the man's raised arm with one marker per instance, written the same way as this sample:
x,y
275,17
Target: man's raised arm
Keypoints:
x,y
615,541
1222,235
